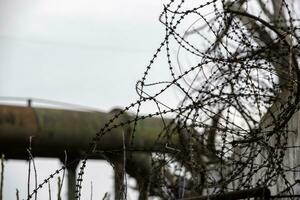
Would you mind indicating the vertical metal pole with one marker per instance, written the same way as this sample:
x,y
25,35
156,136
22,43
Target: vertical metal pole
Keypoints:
x,y
2,176
120,172
72,181
119,180
29,103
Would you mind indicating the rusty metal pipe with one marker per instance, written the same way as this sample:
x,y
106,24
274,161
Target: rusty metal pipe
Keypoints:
x,y
53,131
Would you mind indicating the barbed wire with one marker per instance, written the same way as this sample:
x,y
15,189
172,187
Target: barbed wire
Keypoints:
x,y
237,69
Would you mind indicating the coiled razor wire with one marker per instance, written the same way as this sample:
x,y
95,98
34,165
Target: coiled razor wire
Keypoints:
x,y
236,65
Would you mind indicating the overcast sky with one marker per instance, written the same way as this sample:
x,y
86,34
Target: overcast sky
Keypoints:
x,y
87,52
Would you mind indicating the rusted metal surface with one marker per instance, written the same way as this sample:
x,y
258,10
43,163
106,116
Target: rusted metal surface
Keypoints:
x,y
54,130
17,124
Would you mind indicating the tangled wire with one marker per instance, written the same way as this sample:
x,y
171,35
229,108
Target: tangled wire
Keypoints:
x,y
236,68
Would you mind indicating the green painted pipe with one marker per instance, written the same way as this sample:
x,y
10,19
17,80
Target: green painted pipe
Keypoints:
x,y
53,131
